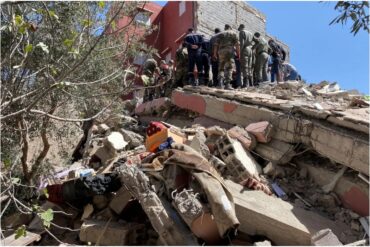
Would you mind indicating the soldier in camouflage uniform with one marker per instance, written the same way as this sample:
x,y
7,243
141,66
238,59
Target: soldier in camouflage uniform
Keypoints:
x,y
261,48
181,66
224,49
150,68
246,55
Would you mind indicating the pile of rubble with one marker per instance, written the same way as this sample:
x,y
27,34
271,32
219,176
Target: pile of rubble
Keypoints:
x,y
276,165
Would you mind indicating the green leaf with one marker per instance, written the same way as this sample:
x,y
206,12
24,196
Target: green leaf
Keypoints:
x,y
22,29
7,162
43,47
47,217
20,232
367,97
52,14
45,191
15,180
86,22
68,42
18,20
101,4
28,48
113,25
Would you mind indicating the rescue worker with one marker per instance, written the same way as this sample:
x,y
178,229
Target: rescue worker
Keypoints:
x,y
150,69
214,62
261,49
290,72
278,57
181,66
225,44
170,84
193,43
165,79
205,62
246,56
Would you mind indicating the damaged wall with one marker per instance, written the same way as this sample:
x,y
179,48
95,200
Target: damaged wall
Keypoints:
x,y
209,15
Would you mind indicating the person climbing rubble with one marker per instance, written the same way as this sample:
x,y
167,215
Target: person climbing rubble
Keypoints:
x,y
149,77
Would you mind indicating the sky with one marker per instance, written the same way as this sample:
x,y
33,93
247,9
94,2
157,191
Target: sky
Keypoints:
x,y
318,50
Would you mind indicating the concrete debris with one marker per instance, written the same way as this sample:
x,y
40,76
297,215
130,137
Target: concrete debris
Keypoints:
x,y
325,237
330,186
248,141
261,130
262,243
115,141
107,233
25,240
240,163
279,171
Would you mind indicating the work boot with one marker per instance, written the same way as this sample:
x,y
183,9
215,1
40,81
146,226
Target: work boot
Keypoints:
x,y
200,79
245,82
227,86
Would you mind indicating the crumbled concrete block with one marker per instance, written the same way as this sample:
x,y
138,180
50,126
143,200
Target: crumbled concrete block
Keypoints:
x,y
262,243
198,143
276,151
120,200
107,233
157,105
105,155
218,164
248,141
261,130
102,128
325,237
273,170
240,163
134,140
115,141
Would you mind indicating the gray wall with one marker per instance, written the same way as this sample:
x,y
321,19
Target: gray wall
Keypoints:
x,y
209,15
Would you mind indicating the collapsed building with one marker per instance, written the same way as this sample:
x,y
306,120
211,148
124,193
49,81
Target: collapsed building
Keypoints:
x,y
282,164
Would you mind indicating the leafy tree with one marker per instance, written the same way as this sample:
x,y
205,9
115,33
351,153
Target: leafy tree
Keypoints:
x,y
357,11
62,63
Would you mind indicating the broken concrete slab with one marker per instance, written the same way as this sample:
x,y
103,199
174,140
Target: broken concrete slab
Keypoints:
x,y
276,151
325,237
106,232
261,130
120,200
322,137
353,194
260,214
28,239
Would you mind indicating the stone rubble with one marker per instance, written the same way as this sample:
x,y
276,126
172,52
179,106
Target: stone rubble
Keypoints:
x,y
272,170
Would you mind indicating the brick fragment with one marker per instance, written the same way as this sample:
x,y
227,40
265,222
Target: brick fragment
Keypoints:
x,y
261,130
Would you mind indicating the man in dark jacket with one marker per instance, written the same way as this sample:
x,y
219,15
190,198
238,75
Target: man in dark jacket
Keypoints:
x,y
194,42
278,57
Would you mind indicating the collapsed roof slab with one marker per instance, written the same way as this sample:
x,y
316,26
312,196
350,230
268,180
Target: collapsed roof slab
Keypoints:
x,y
344,145
280,221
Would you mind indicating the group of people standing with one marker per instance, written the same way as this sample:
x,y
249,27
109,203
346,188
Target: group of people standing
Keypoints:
x,y
248,55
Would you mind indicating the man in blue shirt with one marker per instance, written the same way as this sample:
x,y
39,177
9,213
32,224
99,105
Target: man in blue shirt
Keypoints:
x,y
290,72
194,42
